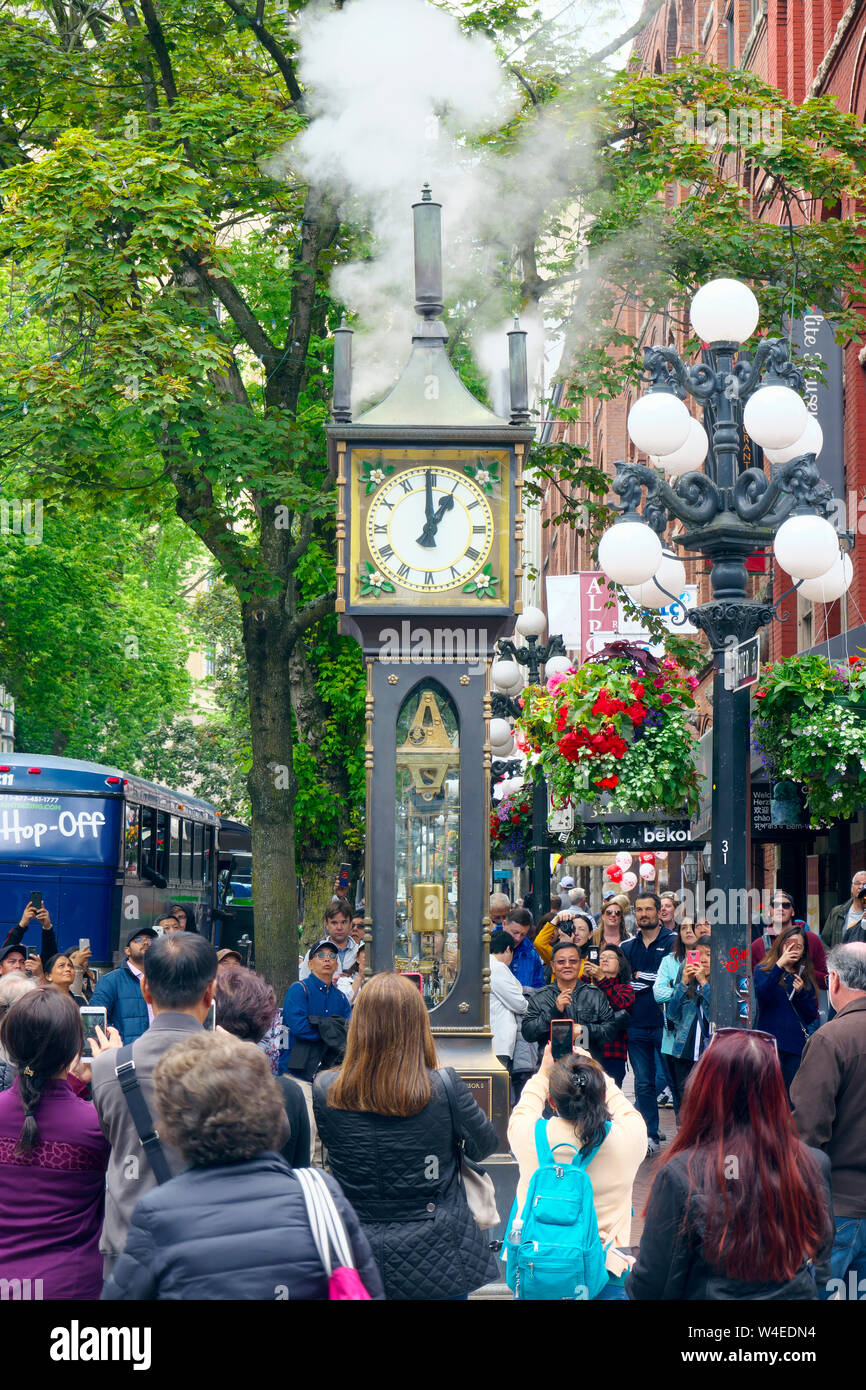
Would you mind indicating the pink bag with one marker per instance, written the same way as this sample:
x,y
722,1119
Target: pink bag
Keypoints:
x,y
329,1233
345,1283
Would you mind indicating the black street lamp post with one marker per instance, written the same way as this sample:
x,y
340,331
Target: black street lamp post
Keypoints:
x,y
728,513
533,656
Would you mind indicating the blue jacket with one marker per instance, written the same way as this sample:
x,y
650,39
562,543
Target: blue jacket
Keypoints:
x,y
305,999
238,1232
120,993
645,962
682,1011
527,965
779,1015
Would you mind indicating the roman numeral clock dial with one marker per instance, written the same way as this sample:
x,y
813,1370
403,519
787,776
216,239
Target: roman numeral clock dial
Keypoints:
x,y
430,529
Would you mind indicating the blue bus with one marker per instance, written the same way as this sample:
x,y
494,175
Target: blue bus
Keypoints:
x,y
105,849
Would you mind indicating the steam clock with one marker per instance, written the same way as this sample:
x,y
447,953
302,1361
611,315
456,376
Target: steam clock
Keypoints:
x,y
429,532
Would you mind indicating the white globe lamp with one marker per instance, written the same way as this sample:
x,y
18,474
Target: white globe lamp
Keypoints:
x,y
830,586
670,575
630,552
502,750
506,676
724,311
811,441
531,622
557,666
500,731
806,546
689,456
658,423
775,417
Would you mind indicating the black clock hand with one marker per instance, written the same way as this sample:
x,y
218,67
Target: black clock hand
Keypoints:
x,y
429,501
427,539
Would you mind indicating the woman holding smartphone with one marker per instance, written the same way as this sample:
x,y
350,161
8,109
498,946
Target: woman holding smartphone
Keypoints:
x,y
60,972
786,992
613,977
583,1100
688,1010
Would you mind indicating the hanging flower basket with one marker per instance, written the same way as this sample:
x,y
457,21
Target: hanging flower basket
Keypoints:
x,y
810,728
614,734
511,828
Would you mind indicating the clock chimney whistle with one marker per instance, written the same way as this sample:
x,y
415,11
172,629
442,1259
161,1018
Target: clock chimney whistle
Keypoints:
x,y
341,407
428,256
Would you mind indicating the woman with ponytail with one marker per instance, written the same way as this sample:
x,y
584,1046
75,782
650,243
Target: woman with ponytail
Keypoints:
x,y
585,1100
53,1155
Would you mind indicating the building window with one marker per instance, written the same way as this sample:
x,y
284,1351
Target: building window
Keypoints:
x,y
729,31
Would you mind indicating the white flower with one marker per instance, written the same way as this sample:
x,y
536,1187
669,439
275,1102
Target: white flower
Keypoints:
x,y
377,476
483,477
375,579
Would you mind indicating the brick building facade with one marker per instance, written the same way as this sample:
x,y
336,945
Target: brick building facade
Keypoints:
x,y
804,48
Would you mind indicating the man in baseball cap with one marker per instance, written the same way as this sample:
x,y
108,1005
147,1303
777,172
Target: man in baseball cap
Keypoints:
x,y
119,992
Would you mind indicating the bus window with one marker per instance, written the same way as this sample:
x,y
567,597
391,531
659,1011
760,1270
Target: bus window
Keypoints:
x,y
186,846
162,843
209,855
130,840
147,814
174,851
198,853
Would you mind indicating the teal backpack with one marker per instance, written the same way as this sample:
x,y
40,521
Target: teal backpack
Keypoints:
x,y
556,1252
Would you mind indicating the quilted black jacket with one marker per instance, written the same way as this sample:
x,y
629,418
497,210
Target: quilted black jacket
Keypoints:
x,y
239,1231
588,1005
400,1175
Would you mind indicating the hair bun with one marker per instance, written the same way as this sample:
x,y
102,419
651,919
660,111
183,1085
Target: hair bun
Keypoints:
x,y
577,1080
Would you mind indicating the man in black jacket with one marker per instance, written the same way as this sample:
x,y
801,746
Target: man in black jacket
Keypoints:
x,y
645,952
568,997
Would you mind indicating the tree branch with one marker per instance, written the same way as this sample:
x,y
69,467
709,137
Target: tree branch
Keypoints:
x,y
270,45
235,304
312,613
145,72
157,42
319,228
653,7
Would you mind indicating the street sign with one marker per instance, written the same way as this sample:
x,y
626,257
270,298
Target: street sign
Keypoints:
x,y
560,819
743,665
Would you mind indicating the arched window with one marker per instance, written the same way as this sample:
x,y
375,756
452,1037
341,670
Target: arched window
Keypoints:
x,y
427,840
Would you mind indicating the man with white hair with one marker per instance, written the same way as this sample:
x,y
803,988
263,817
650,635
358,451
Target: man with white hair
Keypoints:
x,y
11,989
577,897
829,1098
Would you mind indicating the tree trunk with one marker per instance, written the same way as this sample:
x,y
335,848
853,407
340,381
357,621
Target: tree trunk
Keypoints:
x,y
319,857
272,788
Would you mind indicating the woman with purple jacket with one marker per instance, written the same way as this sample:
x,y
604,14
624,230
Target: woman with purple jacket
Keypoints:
x,y
53,1156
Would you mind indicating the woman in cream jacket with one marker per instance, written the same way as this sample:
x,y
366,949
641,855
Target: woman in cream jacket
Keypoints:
x,y
612,1171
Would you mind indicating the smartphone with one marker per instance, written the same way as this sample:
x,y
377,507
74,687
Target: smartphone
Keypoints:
x,y
210,1018
84,943
593,954
561,1037
693,957
36,901
345,871
92,1018
416,977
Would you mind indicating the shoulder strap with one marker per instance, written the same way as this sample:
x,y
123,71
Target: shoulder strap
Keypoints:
x,y
451,1097
326,1224
141,1117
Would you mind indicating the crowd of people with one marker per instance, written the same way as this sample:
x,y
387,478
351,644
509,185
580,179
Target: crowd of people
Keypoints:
x,y
210,1143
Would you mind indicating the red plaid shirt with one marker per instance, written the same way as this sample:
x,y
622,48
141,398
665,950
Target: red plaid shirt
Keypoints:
x,y
619,996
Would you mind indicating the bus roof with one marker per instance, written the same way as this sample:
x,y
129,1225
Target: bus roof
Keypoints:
x,y
70,775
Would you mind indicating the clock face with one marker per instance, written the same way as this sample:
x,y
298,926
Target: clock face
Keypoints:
x,y
430,528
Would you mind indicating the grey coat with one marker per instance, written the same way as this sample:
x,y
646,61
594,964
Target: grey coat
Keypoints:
x,y
129,1172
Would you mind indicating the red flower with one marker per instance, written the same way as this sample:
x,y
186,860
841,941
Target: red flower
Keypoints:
x,y
609,782
569,746
760,694
659,682
604,705
637,690
636,713
853,660
515,819
665,699
524,808
562,717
